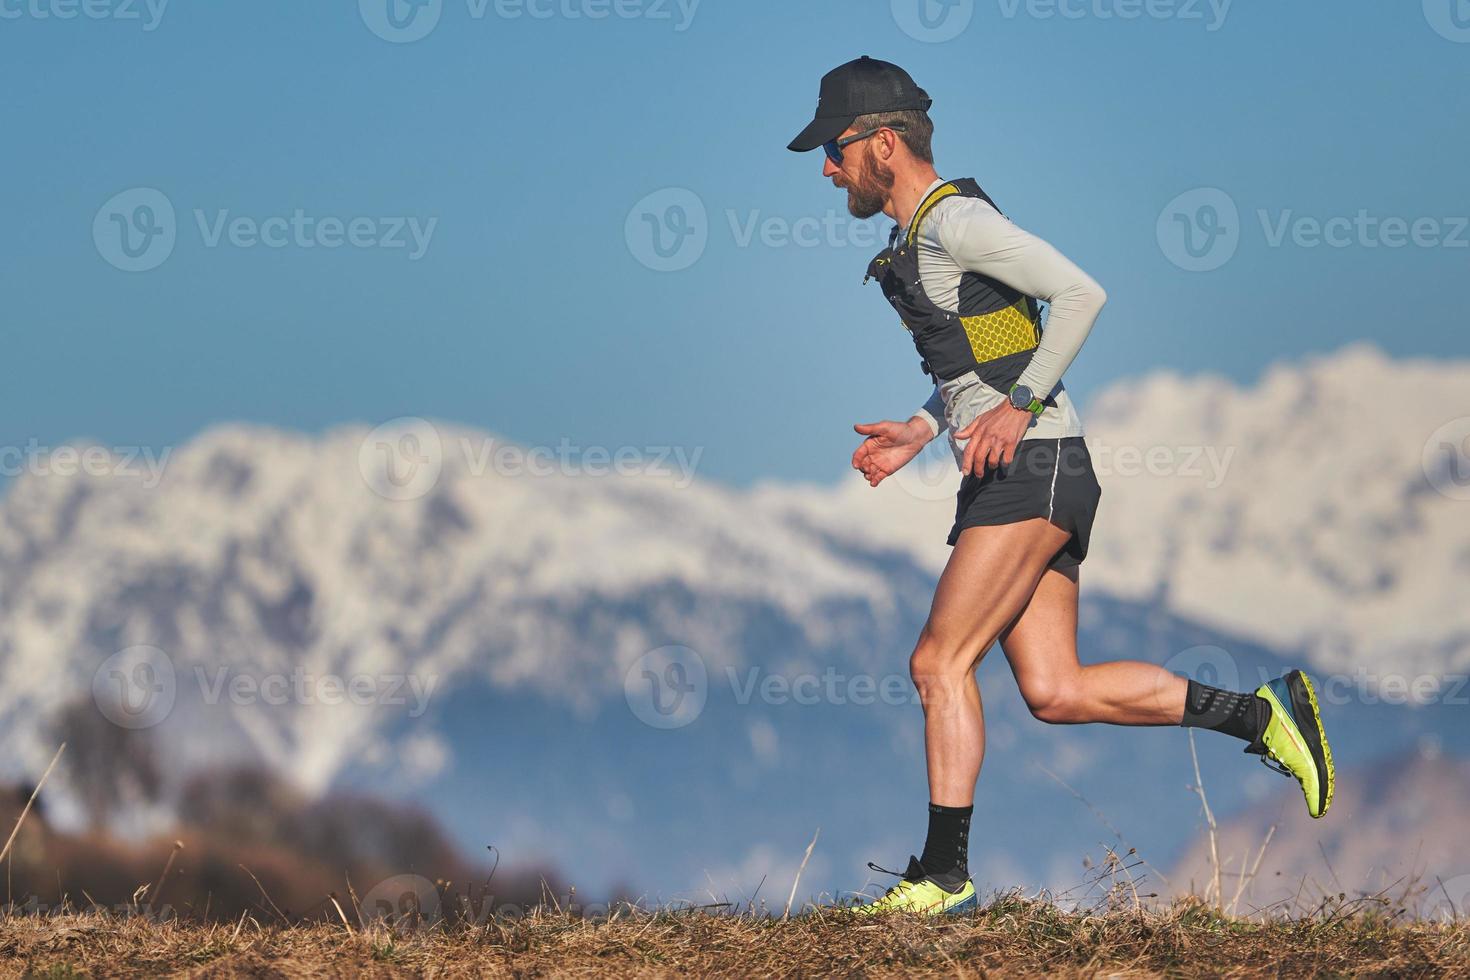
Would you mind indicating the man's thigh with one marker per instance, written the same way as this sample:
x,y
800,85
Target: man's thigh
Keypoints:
x,y
990,577
1042,640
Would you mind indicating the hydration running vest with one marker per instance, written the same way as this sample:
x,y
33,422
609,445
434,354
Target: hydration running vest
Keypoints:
x,y
994,330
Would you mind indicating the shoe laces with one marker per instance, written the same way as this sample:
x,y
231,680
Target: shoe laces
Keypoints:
x,y
1263,752
914,873
880,870
899,888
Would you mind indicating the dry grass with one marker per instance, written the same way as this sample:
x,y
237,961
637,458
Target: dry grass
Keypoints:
x,y
1012,936
472,933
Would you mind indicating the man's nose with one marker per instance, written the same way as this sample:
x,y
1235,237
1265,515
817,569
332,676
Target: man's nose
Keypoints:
x,y
829,169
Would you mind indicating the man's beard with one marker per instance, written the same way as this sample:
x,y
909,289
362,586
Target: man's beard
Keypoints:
x,y
865,197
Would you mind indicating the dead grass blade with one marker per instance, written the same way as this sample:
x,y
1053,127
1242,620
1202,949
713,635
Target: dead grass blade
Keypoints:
x,y
805,858
4,851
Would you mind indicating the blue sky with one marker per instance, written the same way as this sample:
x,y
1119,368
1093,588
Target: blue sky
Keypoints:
x,y
520,137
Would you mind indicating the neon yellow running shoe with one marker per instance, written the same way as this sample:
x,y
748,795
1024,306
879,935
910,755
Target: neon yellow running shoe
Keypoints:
x,y
918,894
1294,740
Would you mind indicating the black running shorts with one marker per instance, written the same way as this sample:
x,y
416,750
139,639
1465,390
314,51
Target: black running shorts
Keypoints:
x,y
1050,478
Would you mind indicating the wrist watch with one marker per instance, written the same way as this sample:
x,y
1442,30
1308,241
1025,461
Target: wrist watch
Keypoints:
x,y
1025,399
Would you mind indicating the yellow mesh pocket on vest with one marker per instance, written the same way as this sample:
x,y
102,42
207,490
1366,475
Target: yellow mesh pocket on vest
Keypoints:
x,y
1007,331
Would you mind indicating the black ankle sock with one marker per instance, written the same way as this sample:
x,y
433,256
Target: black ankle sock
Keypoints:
x,y
1235,714
946,856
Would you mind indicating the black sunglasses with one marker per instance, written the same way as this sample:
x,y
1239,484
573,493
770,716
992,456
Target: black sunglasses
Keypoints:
x,y
833,147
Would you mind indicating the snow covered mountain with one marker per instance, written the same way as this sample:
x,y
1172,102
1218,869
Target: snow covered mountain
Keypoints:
x,y
424,611
270,552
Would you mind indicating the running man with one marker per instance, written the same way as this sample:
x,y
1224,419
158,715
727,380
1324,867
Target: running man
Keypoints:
x,y
966,283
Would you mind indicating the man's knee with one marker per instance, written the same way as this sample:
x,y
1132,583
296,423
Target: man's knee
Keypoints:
x,y
1056,700
936,662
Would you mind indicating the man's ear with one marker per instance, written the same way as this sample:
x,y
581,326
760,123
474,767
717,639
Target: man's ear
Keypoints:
x,y
890,144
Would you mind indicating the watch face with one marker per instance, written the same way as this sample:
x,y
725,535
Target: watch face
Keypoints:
x,y
1021,396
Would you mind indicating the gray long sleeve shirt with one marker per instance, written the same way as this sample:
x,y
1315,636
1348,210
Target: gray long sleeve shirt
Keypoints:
x,y
966,234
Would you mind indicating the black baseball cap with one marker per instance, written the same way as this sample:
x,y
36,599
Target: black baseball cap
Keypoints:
x,y
856,89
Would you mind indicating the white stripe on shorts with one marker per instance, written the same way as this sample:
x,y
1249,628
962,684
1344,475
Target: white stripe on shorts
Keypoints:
x,y
1051,504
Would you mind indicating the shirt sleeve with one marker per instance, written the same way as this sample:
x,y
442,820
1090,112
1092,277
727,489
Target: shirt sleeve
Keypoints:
x,y
981,239
933,412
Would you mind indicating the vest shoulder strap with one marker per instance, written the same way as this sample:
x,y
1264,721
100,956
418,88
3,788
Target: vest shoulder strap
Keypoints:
x,y
964,187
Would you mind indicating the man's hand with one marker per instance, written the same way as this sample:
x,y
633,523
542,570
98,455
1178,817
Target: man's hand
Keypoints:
x,y
993,438
889,446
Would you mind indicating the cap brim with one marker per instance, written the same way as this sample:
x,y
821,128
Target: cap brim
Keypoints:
x,y
819,131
